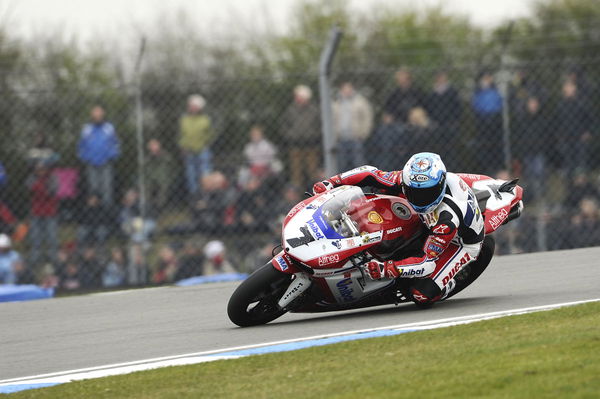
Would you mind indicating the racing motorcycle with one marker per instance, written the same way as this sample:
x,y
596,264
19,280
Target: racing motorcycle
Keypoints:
x,y
329,237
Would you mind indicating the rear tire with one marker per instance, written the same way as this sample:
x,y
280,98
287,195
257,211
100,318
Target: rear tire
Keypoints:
x,y
466,277
254,302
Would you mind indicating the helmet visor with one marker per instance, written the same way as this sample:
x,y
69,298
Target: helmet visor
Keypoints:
x,y
424,196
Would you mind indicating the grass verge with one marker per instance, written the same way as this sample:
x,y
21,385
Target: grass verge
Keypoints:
x,y
553,354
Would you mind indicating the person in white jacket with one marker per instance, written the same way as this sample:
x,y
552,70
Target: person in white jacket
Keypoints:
x,y
352,125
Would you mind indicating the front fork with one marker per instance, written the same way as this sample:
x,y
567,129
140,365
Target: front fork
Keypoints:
x,y
297,287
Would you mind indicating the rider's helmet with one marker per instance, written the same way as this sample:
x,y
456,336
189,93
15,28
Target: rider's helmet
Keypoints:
x,y
424,181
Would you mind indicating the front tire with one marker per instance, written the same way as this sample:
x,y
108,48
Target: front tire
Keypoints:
x,y
254,302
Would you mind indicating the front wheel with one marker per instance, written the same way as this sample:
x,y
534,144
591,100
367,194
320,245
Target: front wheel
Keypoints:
x,y
254,302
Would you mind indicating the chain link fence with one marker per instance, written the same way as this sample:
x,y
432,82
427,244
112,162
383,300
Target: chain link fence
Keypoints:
x,y
91,200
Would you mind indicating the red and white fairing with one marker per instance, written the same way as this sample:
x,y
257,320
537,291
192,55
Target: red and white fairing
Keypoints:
x,y
323,232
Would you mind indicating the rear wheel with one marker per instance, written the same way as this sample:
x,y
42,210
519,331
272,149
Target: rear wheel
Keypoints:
x,y
473,270
254,302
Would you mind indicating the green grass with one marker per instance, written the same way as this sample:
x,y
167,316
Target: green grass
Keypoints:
x,y
553,354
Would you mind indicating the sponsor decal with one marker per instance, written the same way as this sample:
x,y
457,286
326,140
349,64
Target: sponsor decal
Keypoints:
x,y
411,272
345,291
464,260
375,217
439,240
296,209
441,229
472,176
315,229
394,230
462,184
282,263
293,291
434,248
337,244
350,243
431,219
499,218
366,239
311,206
328,259
419,178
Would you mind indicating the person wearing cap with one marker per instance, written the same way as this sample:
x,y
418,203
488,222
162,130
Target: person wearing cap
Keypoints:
x,y
302,136
195,136
10,261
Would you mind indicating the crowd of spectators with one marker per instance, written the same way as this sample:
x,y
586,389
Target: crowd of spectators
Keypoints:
x,y
137,240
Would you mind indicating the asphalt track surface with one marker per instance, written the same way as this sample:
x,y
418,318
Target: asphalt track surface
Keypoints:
x,y
77,332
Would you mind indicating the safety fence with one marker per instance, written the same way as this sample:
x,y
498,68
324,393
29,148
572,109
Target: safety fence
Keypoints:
x,y
149,183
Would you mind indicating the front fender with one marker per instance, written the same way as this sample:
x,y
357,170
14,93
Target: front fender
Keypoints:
x,y
284,263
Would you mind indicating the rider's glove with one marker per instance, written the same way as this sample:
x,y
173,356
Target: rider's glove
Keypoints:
x,y
322,186
379,270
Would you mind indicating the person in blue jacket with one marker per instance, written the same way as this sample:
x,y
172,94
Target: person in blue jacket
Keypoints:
x,y
98,148
487,108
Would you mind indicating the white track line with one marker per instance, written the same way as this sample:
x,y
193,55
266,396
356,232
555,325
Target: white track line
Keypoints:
x,y
199,357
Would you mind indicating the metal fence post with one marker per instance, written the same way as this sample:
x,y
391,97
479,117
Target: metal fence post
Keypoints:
x,y
327,56
139,128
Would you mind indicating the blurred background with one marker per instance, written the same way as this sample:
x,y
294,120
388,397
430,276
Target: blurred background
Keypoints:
x,y
160,144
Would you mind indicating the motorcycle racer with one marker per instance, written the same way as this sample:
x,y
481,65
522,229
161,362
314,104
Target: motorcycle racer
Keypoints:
x,y
446,205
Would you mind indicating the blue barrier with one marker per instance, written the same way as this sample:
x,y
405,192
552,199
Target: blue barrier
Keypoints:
x,y
28,292
215,278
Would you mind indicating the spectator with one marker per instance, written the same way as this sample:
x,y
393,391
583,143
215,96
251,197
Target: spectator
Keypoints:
x,y
581,187
70,280
404,97
521,88
387,144
195,137
216,259
301,134
167,266
420,131
487,106
190,263
42,151
137,268
44,213
260,154
352,124
584,230
98,148
137,225
114,271
531,135
159,172
94,222
210,205
573,128
3,178
254,205
7,219
290,196
10,262
445,109
90,268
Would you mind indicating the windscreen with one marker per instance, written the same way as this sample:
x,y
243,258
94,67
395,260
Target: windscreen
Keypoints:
x,y
333,216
